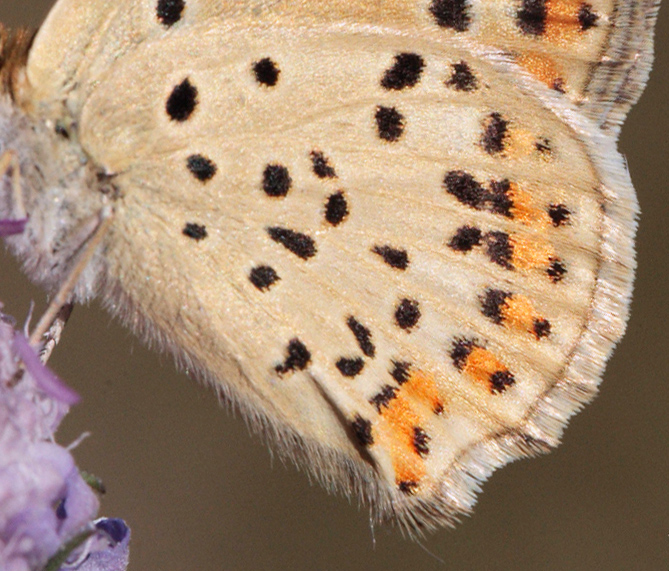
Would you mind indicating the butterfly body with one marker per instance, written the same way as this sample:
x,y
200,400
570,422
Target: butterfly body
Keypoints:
x,y
397,235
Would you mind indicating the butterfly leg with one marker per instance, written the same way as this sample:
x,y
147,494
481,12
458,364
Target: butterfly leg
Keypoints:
x,y
62,298
52,336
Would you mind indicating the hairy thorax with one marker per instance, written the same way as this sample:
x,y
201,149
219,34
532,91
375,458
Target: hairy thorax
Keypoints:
x,y
59,189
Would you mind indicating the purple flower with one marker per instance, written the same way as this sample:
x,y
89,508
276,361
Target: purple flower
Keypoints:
x,y
108,548
44,501
9,227
46,381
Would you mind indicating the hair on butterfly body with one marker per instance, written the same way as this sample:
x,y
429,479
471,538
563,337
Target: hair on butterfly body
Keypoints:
x,y
57,178
397,235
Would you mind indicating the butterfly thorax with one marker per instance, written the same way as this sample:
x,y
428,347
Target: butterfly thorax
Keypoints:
x,y
55,179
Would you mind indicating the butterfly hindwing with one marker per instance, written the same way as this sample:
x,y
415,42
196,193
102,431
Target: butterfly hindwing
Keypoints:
x,y
390,231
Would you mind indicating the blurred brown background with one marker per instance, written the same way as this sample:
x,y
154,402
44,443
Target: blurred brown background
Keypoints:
x,y
201,494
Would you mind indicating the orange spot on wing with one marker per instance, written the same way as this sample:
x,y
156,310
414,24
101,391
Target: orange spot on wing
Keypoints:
x,y
421,386
486,369
543,67
524,210
401,415
399,428
530,252
481,364
562,25
519,313
520,143
396,433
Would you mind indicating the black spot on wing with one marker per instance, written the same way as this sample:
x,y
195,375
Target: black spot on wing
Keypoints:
x,y
362,335
266,72
500,381
321,165
404,73
297,359
263,277
453,14
462,78
350,367
394,257
559,85
499,249
382,399
407,314
299,244
556,271
541,328
336,208
499,198
389,123
461,350
276,181
195,231
559,214
169,12
182,101
493,302
531,19
465,188
400,371
362,430
544,147
495,132
408,487
465,239
421,441
469,191
201,167
586,17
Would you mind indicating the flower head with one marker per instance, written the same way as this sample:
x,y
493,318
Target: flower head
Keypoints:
x,y
44,501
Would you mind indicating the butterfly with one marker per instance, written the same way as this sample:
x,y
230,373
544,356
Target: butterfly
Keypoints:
x,y
398,236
